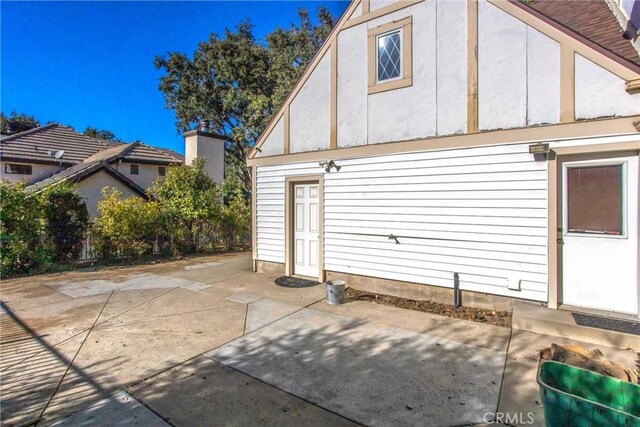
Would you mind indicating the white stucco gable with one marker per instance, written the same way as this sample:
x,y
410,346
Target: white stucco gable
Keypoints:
x,y
467,67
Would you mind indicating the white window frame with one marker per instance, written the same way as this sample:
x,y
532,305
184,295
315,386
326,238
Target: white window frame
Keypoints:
x,y
565,193
378,37
404,26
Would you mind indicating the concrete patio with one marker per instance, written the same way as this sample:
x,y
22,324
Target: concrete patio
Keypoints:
x,y
205,341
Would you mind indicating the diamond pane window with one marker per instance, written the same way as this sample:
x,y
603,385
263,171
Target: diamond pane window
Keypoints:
x,y
389,56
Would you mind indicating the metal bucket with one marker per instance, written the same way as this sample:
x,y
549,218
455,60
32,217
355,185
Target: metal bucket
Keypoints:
x,y
334,291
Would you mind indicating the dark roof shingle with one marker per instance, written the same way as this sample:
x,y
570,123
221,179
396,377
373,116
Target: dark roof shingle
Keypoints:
x,y
593,20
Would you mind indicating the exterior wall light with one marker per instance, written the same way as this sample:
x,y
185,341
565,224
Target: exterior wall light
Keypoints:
x,y
328,165
539,149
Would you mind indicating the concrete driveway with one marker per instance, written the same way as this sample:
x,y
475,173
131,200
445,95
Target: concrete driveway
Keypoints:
x,y
206,341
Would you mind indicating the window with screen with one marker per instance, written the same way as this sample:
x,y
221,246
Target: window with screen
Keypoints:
x,y
595,199
135,169
12,168
162,171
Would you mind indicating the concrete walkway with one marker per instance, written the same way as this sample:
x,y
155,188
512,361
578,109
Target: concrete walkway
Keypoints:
x,y
205,341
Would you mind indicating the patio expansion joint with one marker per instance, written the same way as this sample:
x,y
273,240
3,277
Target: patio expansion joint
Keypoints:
x,y
246,314
85,330
504,369
70,364
148,319
134,384
291,394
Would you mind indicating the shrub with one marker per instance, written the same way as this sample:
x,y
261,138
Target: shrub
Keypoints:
x,y
190,202
125,227
235,220
25,247
38,229
67,219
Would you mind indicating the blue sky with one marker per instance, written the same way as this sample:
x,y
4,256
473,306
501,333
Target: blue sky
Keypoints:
x,y
90,63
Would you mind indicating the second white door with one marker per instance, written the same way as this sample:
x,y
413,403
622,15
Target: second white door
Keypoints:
x,y
306,230
600,234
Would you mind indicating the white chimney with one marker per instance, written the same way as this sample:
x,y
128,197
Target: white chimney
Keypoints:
x,y
202,143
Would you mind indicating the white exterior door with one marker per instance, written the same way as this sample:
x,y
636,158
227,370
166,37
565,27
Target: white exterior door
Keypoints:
x,y
600,234
306,230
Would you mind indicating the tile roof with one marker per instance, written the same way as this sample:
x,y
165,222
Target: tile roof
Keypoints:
x,y
593,20
146,153
171,153
40,145
109,153
71,173
81,171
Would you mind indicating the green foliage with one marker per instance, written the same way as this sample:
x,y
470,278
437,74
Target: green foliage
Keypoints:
x,y
125,227
17,122
22,231
100,134
235,218
67,219
186,214
238,82
190,201
38,229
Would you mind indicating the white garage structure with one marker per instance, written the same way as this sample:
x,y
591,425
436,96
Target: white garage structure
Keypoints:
x,y
484,139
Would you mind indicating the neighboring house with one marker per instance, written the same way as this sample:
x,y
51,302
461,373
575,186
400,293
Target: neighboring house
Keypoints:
x,y
56,153
491,141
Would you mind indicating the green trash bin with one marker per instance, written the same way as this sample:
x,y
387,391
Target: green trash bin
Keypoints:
x,y
576,397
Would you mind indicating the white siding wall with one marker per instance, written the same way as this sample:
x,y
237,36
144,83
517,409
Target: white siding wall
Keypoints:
x,y
480,212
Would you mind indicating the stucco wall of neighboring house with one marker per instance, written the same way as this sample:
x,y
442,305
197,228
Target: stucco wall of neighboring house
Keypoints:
x,y
595,85
312,102
212,149
39,172
147,174
91,190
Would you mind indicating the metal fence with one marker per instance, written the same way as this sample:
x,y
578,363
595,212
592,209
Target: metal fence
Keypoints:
x,y
88,252
207,240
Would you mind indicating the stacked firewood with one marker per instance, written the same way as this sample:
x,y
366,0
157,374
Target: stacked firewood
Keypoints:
x,y
592,360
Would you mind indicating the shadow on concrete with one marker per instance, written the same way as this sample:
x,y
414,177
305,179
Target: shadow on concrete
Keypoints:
x,y
365,373
43,374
